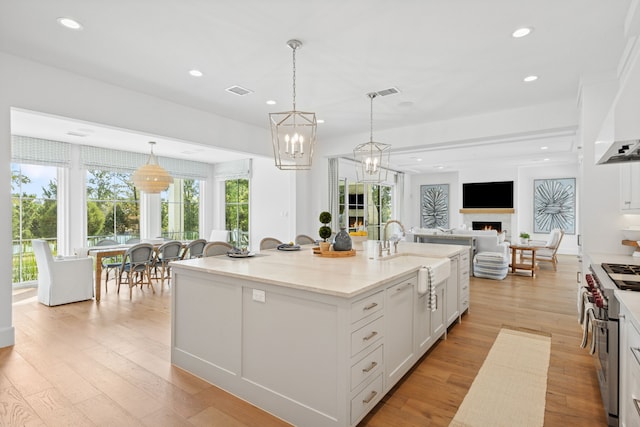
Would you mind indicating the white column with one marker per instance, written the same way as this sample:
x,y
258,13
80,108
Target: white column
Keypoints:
x,y
150,216
7,332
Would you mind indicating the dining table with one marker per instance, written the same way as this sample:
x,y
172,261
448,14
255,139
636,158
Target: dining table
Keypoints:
x,y
101,252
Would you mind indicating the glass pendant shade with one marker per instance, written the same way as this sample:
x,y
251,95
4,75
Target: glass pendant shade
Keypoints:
x,y
151,177
372,158
293,133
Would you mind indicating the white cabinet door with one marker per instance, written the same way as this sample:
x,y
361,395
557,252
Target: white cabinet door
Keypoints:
x,y
398,346
630,186
452,291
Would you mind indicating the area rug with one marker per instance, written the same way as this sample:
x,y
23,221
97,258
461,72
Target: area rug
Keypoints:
x,y
511,386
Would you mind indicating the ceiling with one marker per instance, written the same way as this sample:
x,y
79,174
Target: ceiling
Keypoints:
x,y
448,59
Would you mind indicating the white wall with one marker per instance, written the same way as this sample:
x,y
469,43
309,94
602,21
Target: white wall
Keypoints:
x,y
272,203
32,86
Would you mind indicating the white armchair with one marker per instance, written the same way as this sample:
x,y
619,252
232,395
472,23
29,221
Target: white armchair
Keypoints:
x,y
61,281
492,257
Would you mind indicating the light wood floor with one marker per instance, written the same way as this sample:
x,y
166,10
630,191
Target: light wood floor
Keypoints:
x,y
108,364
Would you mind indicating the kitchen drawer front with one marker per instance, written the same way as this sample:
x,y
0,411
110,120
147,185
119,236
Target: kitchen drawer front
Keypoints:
x,y
366,399
633,395
367,335
465,264
366,367
367,306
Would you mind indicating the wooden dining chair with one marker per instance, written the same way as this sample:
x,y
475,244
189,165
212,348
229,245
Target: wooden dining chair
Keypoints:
x,y
303,239
194,249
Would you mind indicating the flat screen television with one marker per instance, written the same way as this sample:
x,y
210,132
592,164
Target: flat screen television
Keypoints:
x,y
487,195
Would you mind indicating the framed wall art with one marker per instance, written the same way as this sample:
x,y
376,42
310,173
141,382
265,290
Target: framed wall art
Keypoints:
x,y
434,206
554,205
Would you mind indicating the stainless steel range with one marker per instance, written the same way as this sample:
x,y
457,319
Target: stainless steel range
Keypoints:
x,y
604,308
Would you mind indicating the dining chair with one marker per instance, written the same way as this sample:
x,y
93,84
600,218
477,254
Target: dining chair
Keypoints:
x,y
194,249
167,252
136,265
109,263
133,241
303,239
216,248
62,280
269,243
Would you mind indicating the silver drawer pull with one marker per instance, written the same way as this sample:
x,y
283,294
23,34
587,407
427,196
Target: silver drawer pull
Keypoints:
x,y
637,405
403,287
370,367
371,335
636,353
371,396
370,306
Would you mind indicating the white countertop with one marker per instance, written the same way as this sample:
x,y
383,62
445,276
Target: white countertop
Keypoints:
x,y
343,277
599,258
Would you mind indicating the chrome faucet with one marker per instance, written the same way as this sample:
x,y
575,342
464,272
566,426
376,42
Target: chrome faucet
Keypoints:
x,y
385,238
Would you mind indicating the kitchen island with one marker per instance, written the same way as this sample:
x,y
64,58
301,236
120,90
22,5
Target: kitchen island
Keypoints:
x,y
315,341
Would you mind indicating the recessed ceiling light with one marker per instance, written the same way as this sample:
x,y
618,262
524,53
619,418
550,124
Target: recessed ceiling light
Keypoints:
x,y
521,32
271,102
70,23
546,160
320,121
530,79
195,73
544,148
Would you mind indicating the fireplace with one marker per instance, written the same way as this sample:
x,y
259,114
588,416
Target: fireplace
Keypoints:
x,y
487,225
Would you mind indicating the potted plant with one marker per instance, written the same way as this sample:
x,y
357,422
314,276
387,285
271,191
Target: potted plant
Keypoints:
x,y
325,231
524,238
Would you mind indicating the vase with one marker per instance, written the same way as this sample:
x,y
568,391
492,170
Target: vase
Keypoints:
x,y
342,241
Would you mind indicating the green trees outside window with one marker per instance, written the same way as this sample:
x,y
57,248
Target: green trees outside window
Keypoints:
x,y
34,215
113,206
236,198
180,206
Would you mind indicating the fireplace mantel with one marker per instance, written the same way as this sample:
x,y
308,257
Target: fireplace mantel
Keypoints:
x,y
488,211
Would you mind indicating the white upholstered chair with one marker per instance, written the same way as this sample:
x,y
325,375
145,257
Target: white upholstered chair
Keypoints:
x,y
491,260
219,236
548,251
62,280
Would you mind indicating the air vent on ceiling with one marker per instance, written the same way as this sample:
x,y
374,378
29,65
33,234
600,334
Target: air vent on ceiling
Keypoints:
x,y
72,133
385,92
238,90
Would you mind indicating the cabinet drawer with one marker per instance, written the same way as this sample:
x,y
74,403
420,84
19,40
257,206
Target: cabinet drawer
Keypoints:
x,y
366,367
632,414
367,306
366,399
464,290
367,335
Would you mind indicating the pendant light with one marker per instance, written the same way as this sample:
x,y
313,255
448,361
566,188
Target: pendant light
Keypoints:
x,y
372,158
151,177
293,133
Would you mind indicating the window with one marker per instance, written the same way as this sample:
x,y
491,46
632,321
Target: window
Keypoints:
x,y
34,199
113,206
180,206
367,207
236,212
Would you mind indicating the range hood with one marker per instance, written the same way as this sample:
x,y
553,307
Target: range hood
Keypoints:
x,y
621,152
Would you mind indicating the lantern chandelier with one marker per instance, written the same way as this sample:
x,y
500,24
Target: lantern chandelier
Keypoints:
x,y
293,133
151,177
372,158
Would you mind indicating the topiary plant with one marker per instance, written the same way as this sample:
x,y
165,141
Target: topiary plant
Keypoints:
x,y
325,231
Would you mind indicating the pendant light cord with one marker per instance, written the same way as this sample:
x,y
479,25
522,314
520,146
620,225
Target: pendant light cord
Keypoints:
x,y
371,96
294,78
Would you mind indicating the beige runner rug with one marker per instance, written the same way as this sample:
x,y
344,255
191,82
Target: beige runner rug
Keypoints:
x,y
510,388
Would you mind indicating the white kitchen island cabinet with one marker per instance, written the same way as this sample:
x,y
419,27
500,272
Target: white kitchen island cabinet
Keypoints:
x,y
315,341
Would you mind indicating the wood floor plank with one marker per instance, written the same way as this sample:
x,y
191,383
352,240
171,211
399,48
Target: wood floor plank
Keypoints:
x,y
109,364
